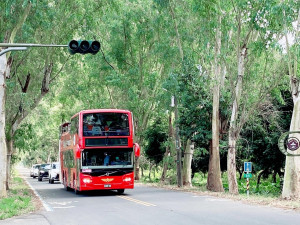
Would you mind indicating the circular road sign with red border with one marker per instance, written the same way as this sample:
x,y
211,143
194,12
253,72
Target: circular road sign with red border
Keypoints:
x,y
293,144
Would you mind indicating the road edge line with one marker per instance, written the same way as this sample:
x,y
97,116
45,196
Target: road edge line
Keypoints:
x,y
45,205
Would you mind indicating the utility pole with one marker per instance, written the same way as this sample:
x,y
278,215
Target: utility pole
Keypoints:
x,y
177,144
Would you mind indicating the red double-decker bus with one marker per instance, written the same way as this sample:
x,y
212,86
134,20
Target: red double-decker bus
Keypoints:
x,y
97,151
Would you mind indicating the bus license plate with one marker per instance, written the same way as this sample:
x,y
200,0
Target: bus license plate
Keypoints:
x,y
107,185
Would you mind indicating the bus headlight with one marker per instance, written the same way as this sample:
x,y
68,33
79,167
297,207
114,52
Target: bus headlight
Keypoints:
x,y
87,180
127,179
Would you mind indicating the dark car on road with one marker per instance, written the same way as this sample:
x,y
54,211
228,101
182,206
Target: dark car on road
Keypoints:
x,y
43,171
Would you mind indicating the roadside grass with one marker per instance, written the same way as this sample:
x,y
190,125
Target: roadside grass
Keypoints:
x,y
18,201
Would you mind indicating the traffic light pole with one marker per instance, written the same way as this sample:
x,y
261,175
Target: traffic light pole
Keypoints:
x,y
23,46
12,49
74,46
29,45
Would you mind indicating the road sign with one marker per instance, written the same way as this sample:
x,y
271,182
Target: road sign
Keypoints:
x,y
248,167
248,175
293,143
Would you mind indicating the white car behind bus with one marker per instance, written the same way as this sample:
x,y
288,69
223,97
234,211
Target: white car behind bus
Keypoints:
x,y
34,170
54,172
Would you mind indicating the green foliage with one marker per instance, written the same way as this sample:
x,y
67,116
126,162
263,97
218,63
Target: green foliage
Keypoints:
x,y
263,134
156,136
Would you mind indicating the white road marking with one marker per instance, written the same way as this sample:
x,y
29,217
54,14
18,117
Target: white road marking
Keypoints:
x,y
64,207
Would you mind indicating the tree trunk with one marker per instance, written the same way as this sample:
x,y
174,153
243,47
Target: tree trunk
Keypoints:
x,y
150,170
187,164
258,178
240,173
8,165
231,167
142,171
165,164
3,149
274,177
233,128
291,184
214,181
137,168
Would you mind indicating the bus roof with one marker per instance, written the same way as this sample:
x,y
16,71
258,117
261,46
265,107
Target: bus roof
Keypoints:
x,y
102,111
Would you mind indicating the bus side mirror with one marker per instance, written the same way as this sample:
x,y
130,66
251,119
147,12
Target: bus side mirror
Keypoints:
x,y
137,150
78,153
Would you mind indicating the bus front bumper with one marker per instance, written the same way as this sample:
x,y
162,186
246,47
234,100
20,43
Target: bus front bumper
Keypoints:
x,y
107,182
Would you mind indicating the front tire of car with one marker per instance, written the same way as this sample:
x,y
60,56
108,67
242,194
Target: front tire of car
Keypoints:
x,y
40,178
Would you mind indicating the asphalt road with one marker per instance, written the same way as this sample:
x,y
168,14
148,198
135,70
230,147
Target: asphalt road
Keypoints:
x,y
145,205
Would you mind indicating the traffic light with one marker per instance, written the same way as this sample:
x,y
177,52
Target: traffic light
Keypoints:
x,y
83,47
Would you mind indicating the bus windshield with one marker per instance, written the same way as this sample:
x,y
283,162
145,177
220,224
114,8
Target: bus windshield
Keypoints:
x,y
105,124
104,158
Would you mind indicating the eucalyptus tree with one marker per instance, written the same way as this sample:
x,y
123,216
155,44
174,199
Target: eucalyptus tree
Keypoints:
x,y
291,186
10,24
209,14
254,40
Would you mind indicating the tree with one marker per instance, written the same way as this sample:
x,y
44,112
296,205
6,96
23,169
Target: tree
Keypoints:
x,y
214,181
156,136
255,41
3,150
291,185
5,67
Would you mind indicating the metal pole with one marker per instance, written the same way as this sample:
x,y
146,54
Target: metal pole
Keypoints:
x,y
178,150
12,49
247,186
29,45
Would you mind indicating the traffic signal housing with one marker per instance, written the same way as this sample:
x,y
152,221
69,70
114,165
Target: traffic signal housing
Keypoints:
x,y
84,47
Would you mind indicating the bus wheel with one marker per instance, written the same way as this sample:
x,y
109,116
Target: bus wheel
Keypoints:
x,y
77,192
120,191
66,186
